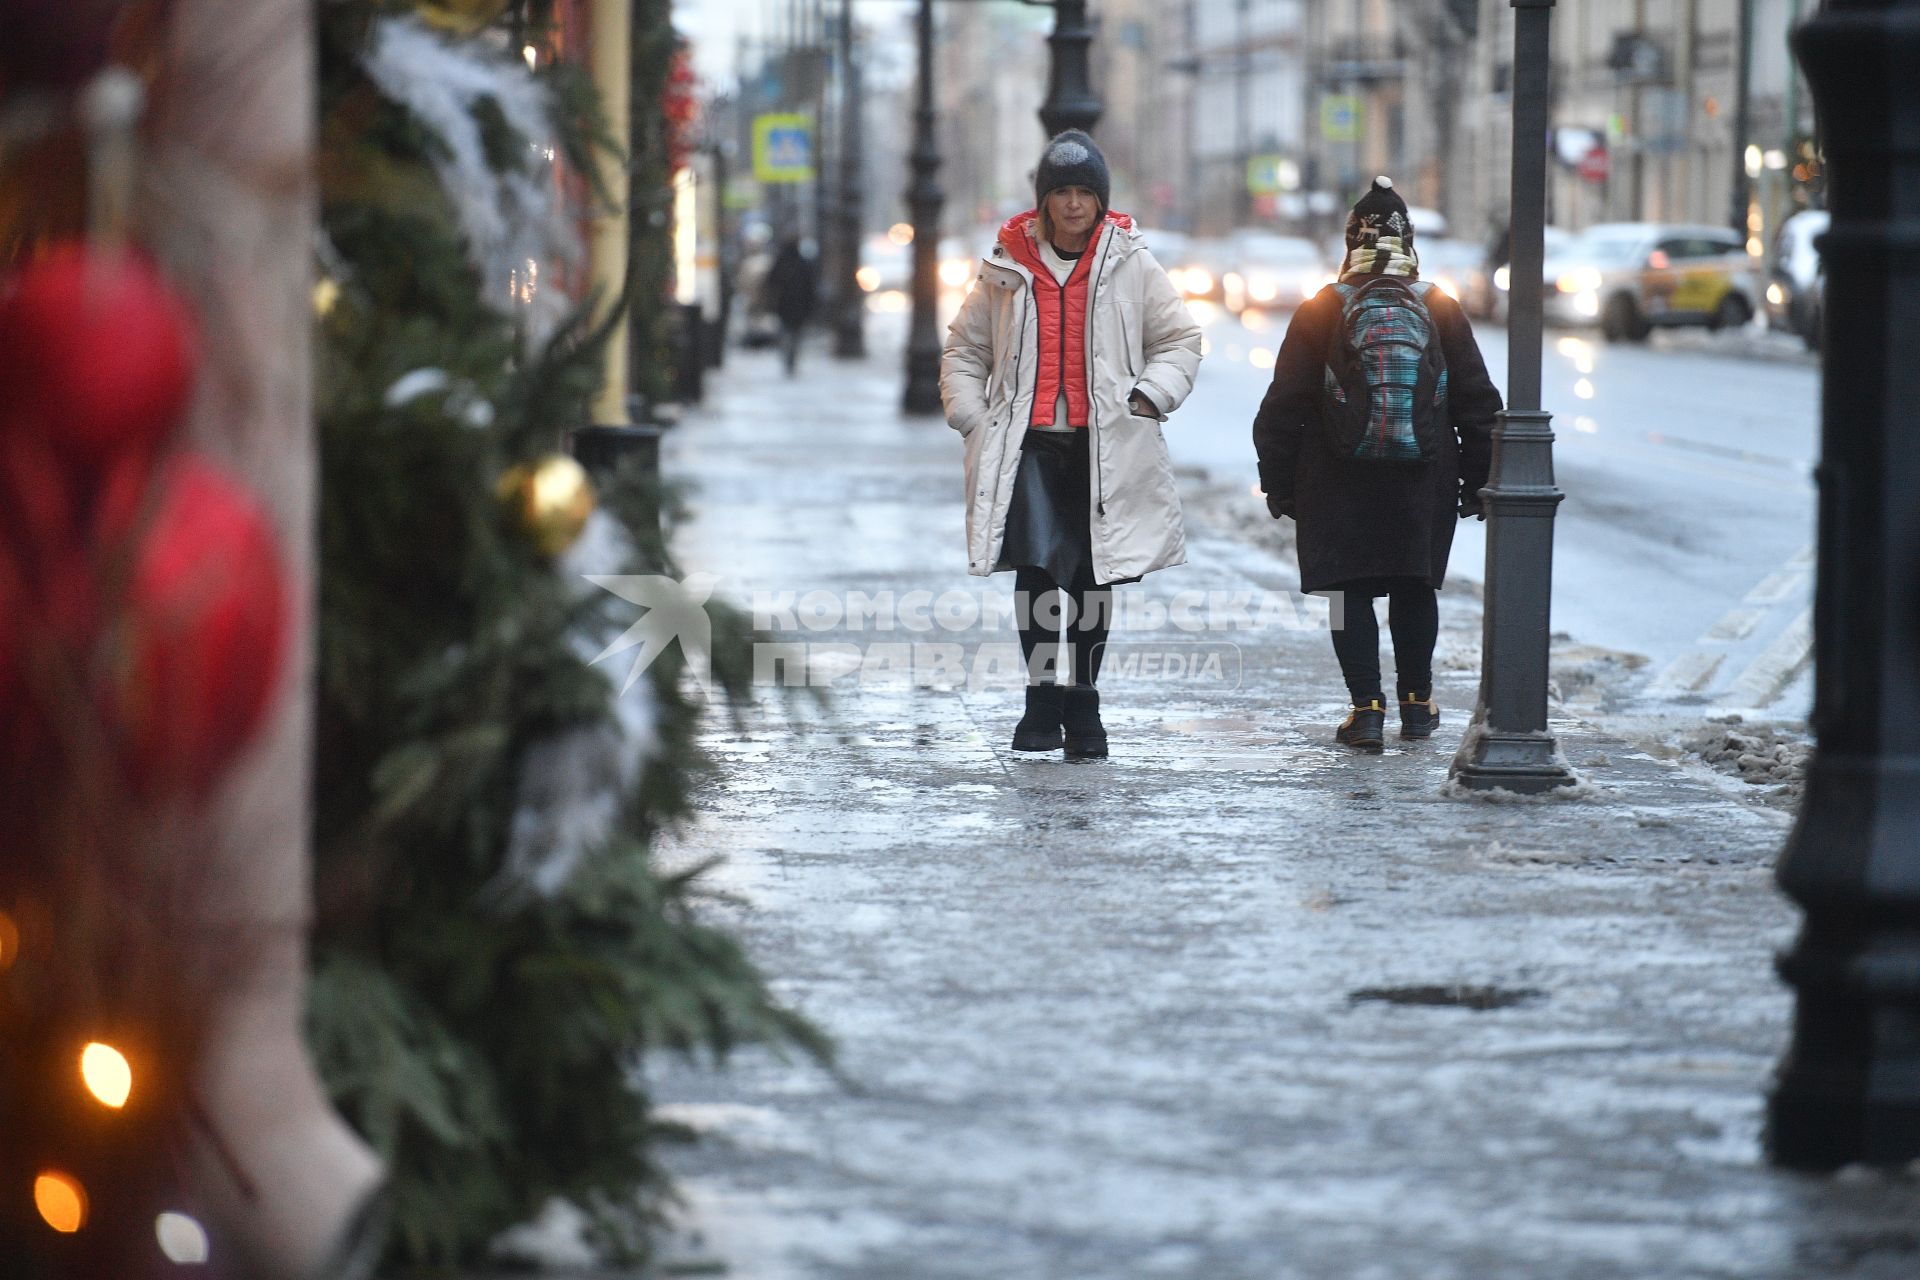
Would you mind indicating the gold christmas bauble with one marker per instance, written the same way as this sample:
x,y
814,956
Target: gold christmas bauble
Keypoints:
x,y
462,17
548,501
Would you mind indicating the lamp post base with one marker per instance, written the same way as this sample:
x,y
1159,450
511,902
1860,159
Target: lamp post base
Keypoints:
x,y
1528,764
1849,1092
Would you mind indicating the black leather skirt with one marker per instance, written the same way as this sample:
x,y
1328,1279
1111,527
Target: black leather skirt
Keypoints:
x,y
1049,518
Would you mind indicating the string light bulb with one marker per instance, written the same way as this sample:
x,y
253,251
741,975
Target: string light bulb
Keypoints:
x,y
182,1239
107,1075
62,1202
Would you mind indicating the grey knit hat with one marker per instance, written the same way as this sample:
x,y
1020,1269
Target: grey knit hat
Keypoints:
x,y
1072,160
1380,212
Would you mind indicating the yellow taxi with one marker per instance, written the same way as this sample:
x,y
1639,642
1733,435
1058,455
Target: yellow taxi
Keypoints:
x,y
1630,277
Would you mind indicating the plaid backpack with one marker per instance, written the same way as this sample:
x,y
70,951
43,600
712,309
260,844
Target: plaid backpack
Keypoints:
x,y
1385,395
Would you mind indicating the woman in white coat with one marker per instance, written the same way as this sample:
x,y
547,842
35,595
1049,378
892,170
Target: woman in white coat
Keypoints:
x,y
1071,350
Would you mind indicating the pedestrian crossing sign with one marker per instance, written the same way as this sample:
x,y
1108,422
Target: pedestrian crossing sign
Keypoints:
x,y
783,148
1270,175
1342,117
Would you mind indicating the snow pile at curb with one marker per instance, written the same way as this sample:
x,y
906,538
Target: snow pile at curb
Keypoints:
x,y
1759,755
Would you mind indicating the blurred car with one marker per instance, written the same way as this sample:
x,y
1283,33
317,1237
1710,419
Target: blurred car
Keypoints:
x,y
1428,224
1483,288
1629,277
1272,272
1199,272
1449,263
959,263
1795,287
1168,248
1814,312
886,265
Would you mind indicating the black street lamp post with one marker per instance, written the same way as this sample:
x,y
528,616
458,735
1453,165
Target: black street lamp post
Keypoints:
x,y
849,320
924,201
1242,116
1849,1088
1508,746
1071,102
1742,200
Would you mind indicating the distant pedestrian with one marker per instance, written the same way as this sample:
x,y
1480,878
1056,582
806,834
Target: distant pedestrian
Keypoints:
x,y
1376,432
761,324
793,289
1071,350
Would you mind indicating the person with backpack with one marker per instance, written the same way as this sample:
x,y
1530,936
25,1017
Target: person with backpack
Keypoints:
x,y
1072,349
1376,433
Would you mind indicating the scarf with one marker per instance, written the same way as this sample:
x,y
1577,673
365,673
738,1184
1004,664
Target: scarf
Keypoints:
x,y
1386,256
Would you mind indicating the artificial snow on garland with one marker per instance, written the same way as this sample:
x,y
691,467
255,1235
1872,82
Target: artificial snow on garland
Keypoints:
x,y
573,785
513,222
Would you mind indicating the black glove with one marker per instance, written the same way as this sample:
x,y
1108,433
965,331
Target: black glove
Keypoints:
x,y
1471,506
1278,506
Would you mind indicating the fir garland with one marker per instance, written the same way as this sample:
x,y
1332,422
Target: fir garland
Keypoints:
x,y
482,1035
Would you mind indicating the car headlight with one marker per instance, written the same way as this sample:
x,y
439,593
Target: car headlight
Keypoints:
x,y
955,272
1586,303
1501,277
1776,295
1579,280
1262,287
1198,281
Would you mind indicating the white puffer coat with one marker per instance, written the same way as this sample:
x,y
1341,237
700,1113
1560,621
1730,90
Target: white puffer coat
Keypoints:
x,y
1139,337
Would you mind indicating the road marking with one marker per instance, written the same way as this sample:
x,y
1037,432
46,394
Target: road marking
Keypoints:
x,y
1687,673
1740,621
1776,587
1783,582
1738,624
1776,667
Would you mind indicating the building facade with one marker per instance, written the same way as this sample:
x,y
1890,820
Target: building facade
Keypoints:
x,y
1646,108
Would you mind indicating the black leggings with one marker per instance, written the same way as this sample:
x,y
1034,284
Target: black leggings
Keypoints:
x,y
1413,616
1038,605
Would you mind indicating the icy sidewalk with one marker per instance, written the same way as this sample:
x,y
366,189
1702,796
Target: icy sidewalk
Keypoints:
x,y
1233,1004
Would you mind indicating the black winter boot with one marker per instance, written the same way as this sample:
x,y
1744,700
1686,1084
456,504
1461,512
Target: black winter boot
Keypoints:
x,y
1365,728
1086,736
1418,717
1039,728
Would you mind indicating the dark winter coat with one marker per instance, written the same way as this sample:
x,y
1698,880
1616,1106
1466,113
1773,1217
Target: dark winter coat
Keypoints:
x,y
793,286
1368,520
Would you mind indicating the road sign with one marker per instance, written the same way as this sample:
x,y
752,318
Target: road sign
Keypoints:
x,y
1342,117
783,148
1270,175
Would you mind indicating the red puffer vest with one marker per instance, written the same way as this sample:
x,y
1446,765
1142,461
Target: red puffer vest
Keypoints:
x,y
1062,315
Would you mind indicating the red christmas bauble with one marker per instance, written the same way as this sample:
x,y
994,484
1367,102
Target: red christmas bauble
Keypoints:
x,y
208,628
95,353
